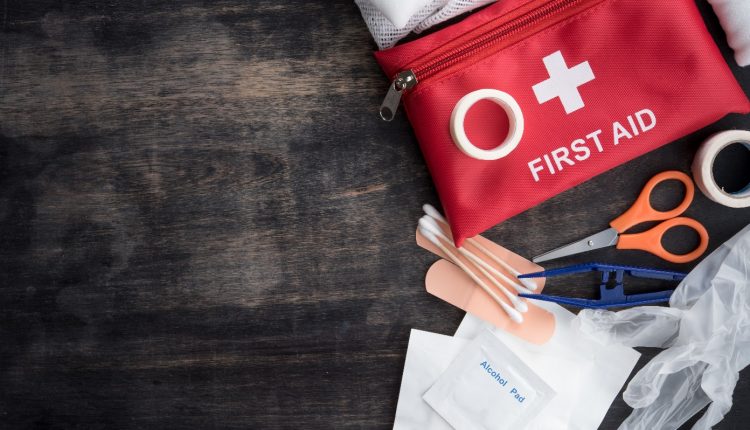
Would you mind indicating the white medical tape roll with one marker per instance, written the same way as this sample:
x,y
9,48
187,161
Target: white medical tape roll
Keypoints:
x,y
515,120
703,168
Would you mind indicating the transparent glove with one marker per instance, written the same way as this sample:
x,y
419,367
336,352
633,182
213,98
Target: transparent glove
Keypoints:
x,y
706,333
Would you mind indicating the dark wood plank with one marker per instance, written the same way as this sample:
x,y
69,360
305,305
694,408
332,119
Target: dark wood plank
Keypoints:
x,y
203,223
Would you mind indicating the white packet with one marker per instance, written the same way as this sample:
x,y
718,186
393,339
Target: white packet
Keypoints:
x,y
427,357
488,387
586,374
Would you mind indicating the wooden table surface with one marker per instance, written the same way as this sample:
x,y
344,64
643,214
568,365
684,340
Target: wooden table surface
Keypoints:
x,y
204,223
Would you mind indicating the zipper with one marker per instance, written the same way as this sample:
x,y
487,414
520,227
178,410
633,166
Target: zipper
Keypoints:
x,y
537,13
405,80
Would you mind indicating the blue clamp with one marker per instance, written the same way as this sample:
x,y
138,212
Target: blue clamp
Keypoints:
x,y
609,297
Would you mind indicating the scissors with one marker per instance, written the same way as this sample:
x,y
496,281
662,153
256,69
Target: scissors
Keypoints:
x,y
641,212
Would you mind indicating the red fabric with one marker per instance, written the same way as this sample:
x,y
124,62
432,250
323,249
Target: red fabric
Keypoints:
x,y
651,55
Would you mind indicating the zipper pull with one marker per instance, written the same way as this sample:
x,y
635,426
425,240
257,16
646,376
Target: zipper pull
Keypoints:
x,y
404,81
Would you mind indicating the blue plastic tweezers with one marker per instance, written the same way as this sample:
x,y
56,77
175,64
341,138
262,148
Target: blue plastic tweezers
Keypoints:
x,y
610,297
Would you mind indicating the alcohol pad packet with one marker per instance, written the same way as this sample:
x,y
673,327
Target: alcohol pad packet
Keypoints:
x,y
428,356
488,387
586,374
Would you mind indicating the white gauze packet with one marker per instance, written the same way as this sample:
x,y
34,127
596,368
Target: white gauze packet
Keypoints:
x,y
427,357
586,374
488,387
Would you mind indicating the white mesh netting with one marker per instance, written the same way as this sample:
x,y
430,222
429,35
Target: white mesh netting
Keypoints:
x,y
434,12
734,16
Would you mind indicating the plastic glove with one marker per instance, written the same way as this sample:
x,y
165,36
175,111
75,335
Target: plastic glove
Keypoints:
x,y
706,331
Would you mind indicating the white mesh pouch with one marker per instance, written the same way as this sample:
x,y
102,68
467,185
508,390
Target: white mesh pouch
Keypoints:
x,y
386,34
399,12
452,9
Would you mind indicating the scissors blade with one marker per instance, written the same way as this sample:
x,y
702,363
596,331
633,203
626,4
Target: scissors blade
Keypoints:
x,y
602,239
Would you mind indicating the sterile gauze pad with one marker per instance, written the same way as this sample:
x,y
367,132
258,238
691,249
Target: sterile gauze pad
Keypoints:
x,y
488,387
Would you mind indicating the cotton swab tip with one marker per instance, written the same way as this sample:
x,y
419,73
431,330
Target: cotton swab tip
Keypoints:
x,y
514,315
528,283
434,224
427,223
432,212
429,235
521,306
517,302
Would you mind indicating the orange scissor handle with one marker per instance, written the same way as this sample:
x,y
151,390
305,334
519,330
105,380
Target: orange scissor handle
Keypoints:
x,y
642,211
650,240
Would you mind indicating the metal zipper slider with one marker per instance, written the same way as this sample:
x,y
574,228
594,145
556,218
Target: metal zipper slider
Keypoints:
x,y
404,81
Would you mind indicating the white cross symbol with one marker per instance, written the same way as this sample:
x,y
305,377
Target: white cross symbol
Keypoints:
x,y
563,82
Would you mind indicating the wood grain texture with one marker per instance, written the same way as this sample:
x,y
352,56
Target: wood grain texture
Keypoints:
x,y
204,224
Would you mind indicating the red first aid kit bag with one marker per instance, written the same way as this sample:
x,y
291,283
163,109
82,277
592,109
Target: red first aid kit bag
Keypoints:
x,y
598,83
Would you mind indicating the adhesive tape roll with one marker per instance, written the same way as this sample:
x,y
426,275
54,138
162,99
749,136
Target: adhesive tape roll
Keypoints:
x,y
515,119
703,168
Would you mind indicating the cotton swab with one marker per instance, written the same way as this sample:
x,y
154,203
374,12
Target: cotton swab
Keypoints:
x,y
512,313
430,224
528,283
518,287
433,213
